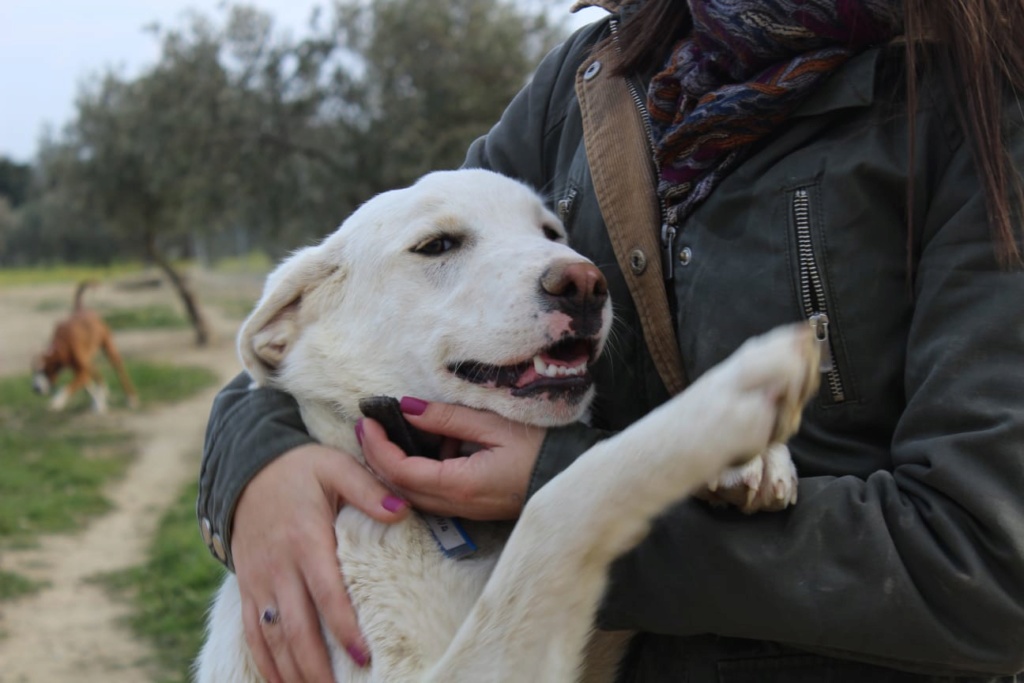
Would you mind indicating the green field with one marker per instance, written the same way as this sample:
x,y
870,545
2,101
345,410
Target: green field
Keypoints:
x,y
40,275
55,465
171,592
254,262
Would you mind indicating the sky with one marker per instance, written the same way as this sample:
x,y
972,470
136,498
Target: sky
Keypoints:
x,y
48,48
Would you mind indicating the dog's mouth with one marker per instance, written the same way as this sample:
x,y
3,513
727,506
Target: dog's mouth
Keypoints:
x,y
562,368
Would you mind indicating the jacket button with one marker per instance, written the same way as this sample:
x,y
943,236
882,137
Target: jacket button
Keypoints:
x,y
207,530
685,256
592,71
217,547
637,261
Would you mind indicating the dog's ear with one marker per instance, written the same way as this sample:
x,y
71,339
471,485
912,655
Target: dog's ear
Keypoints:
x,y
273,327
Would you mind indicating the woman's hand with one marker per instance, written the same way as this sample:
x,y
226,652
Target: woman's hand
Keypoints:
x,y
285,559
489,484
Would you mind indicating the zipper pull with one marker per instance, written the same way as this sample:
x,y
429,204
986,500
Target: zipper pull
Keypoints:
x,y
668,238
819,323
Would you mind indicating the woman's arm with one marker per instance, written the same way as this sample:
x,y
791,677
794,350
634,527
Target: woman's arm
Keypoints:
x,y
260,462
248,428
918,566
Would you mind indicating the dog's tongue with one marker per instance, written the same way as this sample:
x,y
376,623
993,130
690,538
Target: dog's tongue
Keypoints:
x,y
529,376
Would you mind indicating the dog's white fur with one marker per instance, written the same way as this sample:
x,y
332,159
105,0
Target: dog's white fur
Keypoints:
x,y
364,313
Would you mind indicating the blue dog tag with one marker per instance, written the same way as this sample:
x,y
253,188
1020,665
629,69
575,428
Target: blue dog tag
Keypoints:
x,y
450,536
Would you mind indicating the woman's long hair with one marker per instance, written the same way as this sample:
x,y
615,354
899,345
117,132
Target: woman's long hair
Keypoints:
x,y
977,46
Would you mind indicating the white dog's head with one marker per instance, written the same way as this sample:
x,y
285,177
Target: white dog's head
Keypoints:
x,y
459,289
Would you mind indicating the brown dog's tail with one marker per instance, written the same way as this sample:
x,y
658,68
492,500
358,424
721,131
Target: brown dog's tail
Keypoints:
x,y
122,374
82,286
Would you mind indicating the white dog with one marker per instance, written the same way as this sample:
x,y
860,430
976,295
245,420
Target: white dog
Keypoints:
x,y
462,289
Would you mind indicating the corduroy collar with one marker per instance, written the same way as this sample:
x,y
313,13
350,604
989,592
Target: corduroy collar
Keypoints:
x,y
612,6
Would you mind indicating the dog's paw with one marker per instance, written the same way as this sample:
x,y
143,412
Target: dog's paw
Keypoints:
x,y
99,397
785,363
59,401
803,380
767,483
755,398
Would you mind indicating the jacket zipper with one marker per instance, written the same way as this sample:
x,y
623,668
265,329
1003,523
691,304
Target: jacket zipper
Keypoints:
x,y
566,205
812,294
669,220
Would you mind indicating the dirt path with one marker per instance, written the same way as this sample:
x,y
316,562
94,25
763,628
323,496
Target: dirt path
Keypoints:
x,y
70,631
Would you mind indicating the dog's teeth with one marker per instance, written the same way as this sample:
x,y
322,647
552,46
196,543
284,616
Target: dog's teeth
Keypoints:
x,y
551,370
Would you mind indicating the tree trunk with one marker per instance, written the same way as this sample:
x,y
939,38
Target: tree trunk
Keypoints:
x,y
184,290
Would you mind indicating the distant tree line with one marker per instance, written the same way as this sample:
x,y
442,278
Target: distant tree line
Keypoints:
x,y
243,138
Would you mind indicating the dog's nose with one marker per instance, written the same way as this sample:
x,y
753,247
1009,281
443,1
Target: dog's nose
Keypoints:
x,y
40,385
574,285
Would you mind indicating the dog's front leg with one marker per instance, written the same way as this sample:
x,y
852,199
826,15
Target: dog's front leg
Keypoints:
x,y
532,621
64,394
98,391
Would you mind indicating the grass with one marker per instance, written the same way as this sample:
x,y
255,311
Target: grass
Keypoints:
x,y
161,383
51,305
53,471
237,308
155,316
158,316
13,585
171,592
253,262
56,465
39,275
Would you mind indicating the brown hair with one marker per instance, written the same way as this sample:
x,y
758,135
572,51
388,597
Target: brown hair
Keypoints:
x,y
974,43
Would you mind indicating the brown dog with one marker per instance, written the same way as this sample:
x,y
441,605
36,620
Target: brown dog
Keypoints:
x,y
75,345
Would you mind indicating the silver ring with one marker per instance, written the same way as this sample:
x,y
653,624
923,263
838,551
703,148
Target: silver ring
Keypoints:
x,y
269,617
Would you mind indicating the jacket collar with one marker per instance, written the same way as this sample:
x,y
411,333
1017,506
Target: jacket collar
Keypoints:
x,y
851,86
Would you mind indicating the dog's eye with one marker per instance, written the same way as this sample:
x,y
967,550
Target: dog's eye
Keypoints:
x,y
437,246
551,233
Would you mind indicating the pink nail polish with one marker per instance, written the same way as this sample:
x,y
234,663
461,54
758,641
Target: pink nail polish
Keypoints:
x,y
393,503
357,655
359,431
412,406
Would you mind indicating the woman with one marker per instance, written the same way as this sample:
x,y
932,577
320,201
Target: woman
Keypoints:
x,y
799,173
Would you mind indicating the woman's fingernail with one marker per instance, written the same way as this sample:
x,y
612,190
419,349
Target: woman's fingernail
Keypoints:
x,y
412,406
393,503
359,431
357,655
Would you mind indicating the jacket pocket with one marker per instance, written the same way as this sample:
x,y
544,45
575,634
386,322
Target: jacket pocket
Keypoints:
x,y
814,300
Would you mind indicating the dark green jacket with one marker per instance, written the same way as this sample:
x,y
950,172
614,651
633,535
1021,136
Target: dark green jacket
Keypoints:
x,y
906,548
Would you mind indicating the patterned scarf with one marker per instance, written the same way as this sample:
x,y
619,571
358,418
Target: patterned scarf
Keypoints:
x,y
746,66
